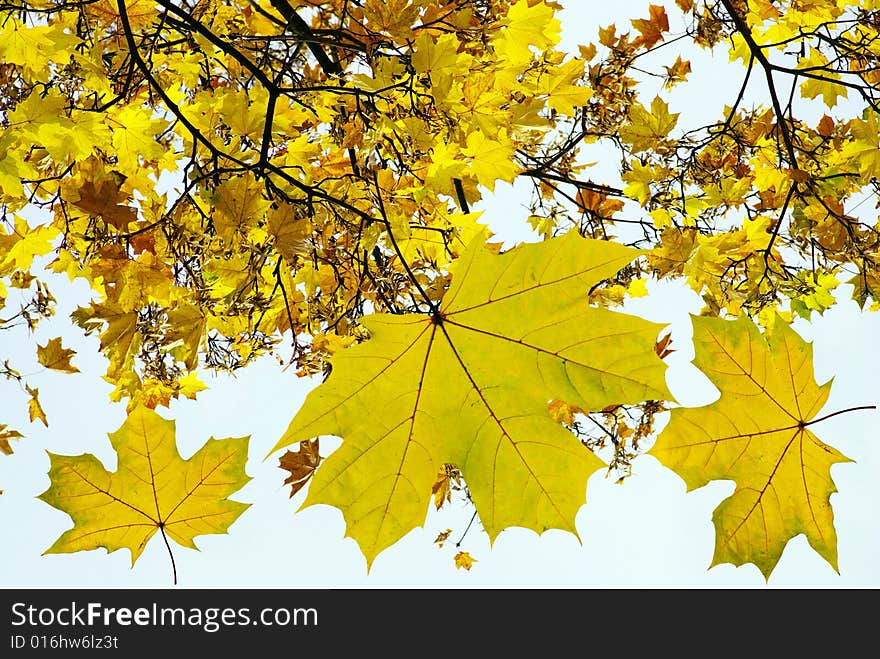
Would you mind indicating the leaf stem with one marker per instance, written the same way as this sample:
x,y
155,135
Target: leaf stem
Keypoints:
x,y
468,528
170,553
849,409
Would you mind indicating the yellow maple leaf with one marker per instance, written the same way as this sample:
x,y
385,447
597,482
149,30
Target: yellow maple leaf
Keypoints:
x,y
7,434
53,356
823,84
446,165
645,128
34,47
187,333
153,489
35,409
757,435
18,249
120,340
677,73
638,181
134,130
151,394
469,386
491,160
190,385
434,57
558,84
238,202
464,560
534,25
863,148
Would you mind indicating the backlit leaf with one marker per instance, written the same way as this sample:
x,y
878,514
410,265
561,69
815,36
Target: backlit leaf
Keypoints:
x,y
470,385
757,434
153,489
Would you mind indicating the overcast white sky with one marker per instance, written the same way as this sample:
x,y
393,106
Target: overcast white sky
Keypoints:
x,y
647,532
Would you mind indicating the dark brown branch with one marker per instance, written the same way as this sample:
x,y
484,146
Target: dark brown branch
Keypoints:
x,y
301,29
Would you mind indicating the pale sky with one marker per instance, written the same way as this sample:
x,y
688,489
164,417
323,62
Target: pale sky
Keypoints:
x,y
646,533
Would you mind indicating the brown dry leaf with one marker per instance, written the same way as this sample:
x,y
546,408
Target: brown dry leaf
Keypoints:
x,y
104,200
652,28
442,537
662,346
826,126
301,464
685,5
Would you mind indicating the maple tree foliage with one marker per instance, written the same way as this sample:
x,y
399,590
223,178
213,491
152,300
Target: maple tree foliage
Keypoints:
x,y
301,178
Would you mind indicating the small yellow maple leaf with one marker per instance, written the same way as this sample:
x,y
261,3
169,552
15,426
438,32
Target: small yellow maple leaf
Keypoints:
x,y
53,356
35,410
558,84
464,560
7,434
639,179
434,57
676,73
491,160
190,385
18,249
188,329
533,25
153,393
645,128
120,341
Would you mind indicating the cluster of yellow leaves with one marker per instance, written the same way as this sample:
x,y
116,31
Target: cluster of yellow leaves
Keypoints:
x,y
228,256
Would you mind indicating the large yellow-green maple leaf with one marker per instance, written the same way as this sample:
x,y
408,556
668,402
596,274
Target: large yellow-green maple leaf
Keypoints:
x,y
152,489
756,434
470,385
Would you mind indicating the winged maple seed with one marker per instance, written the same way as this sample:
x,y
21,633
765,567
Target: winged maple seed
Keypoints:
x,y
757,434
470,384
152,489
